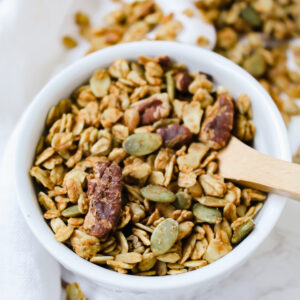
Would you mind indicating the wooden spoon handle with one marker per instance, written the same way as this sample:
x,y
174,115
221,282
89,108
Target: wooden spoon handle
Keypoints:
x,y
242,163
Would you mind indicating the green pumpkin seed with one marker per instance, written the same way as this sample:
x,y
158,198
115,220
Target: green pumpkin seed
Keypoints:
x,y
211,201
170,85
183,200
207,214
158,193
255,65
251,16
142,143
165,122
164,236
71,212
242,231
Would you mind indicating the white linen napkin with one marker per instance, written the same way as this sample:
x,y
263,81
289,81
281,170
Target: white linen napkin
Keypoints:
x,y
30,53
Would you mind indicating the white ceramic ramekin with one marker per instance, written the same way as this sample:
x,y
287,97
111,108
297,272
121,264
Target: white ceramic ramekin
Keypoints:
x,y
271,139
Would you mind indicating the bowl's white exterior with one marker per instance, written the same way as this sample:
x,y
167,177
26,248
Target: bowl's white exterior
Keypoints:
x,y
271,139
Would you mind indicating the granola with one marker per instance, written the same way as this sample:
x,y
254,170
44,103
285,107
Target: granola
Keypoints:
x,y
128,179
255,34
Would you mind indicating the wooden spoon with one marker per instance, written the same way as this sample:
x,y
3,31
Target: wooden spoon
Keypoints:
x,y
241,163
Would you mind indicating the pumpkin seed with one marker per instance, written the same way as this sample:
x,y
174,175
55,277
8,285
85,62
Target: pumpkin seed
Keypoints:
x,y
142,143
211,201
183,200
251,16
170,85
242,231
158,193
164,236
71,212
255,64
207,214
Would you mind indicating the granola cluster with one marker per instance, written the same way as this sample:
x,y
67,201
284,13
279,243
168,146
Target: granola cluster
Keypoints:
x,y
256,34
131,22
127,169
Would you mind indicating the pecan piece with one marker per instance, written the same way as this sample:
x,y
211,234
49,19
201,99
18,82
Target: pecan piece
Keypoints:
x,y
153,108
104,192
218,123
175,135
183,80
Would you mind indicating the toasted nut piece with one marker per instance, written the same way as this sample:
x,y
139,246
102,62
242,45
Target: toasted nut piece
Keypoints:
x,y
174,135
183,80
153,108
105,194
218,123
